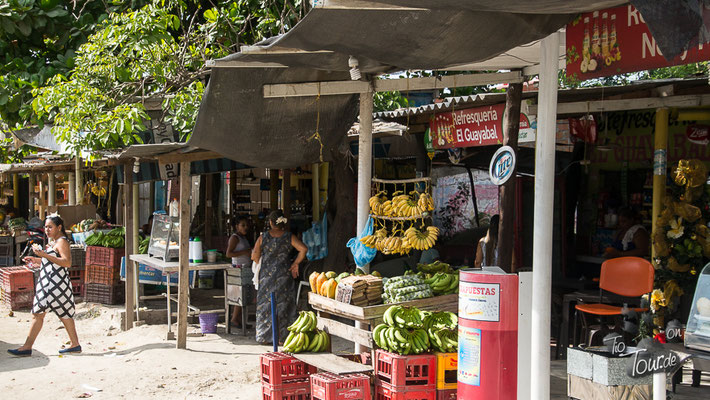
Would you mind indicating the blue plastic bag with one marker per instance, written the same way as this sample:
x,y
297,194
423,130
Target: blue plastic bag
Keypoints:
x,y
316,239
361,253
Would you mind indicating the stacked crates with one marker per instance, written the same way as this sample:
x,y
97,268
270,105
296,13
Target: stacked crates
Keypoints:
x,y
399,377
102,277
17,287
446,375
328,386
284,377
77,271
7,251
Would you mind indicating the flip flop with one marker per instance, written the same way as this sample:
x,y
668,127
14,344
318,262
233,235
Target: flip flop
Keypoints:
x,y
76,349
20,353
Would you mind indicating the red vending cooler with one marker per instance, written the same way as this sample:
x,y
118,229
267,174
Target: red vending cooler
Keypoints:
x,y
488,335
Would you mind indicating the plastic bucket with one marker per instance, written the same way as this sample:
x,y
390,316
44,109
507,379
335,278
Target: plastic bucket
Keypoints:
x,y
211,256
208,322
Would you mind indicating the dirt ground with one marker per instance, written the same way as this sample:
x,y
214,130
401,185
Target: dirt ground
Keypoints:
x,y
142,364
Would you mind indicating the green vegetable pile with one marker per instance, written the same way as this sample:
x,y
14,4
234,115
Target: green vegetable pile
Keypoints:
x,y
17,223
115,238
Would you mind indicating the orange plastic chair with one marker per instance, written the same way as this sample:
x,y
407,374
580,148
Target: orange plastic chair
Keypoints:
x,y
624,276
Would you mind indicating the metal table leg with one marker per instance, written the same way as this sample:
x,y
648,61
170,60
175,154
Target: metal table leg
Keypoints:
x,y
227,317
171,335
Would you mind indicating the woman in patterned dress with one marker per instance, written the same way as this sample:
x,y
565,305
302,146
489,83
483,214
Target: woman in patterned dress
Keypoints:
x,y
276,275
53,291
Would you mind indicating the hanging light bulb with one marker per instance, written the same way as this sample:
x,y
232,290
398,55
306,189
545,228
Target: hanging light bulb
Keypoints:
x,y
354,70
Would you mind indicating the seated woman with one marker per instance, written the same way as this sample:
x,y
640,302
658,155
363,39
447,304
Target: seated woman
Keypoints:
x,y
631,239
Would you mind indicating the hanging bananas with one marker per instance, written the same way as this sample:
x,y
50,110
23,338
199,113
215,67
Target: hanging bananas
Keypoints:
x,y
371,240
426,202
376,203
422,240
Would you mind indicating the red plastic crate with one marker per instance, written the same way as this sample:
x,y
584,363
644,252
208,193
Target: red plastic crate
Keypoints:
x,y
102,274
328,386
110,257
78,256
448,394
384,391
280,368
294,390
18,300
77,273
415,371
17,279
77,288
104,294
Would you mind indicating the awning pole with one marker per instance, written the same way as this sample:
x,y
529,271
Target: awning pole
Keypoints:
x,y
364,171
72,188
659,169
543,218
79,181
52,195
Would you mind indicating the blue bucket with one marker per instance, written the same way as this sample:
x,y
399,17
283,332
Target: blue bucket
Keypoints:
x,y
208,322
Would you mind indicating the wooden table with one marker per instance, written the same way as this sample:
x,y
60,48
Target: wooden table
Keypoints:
x,y
369,316
171,267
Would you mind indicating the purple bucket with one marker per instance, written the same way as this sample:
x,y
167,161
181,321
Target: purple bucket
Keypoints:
x,y
208,322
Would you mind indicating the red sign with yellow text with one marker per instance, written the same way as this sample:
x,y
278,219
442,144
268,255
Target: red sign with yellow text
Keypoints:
x,y
616,41
472,127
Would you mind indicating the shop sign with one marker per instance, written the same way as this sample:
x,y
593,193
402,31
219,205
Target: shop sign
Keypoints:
x,y
469,357
163,133
479,301
616,41
646,362
698,134
482,126
502,165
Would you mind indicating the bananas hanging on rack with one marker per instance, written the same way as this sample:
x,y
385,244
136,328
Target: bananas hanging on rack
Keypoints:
x,y
426,202
405,205
372,240
376,203
422,240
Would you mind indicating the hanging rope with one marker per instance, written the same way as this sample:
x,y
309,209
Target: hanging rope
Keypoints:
x,y
316,135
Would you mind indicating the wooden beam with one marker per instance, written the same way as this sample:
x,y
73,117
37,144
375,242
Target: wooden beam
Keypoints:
x,y
241,64
388,85
511,127
276,50
187,157
360,5
582,107
128,219
351,333
183,273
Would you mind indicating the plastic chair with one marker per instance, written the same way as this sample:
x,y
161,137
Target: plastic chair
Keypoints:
x,y
624,276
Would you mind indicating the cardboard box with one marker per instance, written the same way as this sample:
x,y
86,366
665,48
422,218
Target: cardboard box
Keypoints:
x,y
73,214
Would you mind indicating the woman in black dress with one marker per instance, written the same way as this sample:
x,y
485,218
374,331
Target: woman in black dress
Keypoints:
x,y
53,291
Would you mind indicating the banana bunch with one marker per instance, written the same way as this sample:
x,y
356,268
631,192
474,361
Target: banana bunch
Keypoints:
x,y
436,266
403,317
406,206
387,209
97,189
394,245
376,203
444,340
312,342
426,202
422,240
372,240
443,283
400,340
306,322
435,321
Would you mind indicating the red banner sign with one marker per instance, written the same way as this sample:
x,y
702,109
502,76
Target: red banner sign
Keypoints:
x,y
472,127
616,41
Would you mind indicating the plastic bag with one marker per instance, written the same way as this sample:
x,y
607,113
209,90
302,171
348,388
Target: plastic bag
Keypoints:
x,y
361,253
316,239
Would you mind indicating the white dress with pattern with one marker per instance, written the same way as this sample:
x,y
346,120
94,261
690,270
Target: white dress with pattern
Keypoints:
x,y
53,291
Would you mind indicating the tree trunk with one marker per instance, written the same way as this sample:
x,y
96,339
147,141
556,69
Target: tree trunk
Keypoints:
x,y
507,190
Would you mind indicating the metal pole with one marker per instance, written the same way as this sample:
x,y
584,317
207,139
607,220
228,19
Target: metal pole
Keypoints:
x,y
659,169
16,191
79,181
543,218
659,386
364,171
274,324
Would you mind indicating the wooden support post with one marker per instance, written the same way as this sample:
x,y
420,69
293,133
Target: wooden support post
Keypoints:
x,y
72,188
16,191
286,193
273,189
506,230
232,191
128,218
52,194
183,272
80,181
42,201
151,198
315,191
30,195
208,211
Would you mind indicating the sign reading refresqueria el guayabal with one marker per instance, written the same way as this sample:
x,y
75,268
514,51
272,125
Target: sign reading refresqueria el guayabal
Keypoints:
x,y
482,126
616,41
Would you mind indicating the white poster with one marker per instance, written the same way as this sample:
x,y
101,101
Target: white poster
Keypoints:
x,y
469,370
479,301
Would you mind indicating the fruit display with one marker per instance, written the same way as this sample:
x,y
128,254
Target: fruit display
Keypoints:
x,y
89,225
442,283
405,288
304,336
407,330
442,328
114,238
325,283
436,266
422,240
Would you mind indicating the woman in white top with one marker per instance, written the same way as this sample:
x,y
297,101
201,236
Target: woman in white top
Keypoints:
x,y
240,250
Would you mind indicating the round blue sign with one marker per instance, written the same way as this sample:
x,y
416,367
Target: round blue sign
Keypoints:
x,y
502,165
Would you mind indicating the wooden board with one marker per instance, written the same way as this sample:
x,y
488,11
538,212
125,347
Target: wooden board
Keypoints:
x,y
339,329
332,363
172,266
449,302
